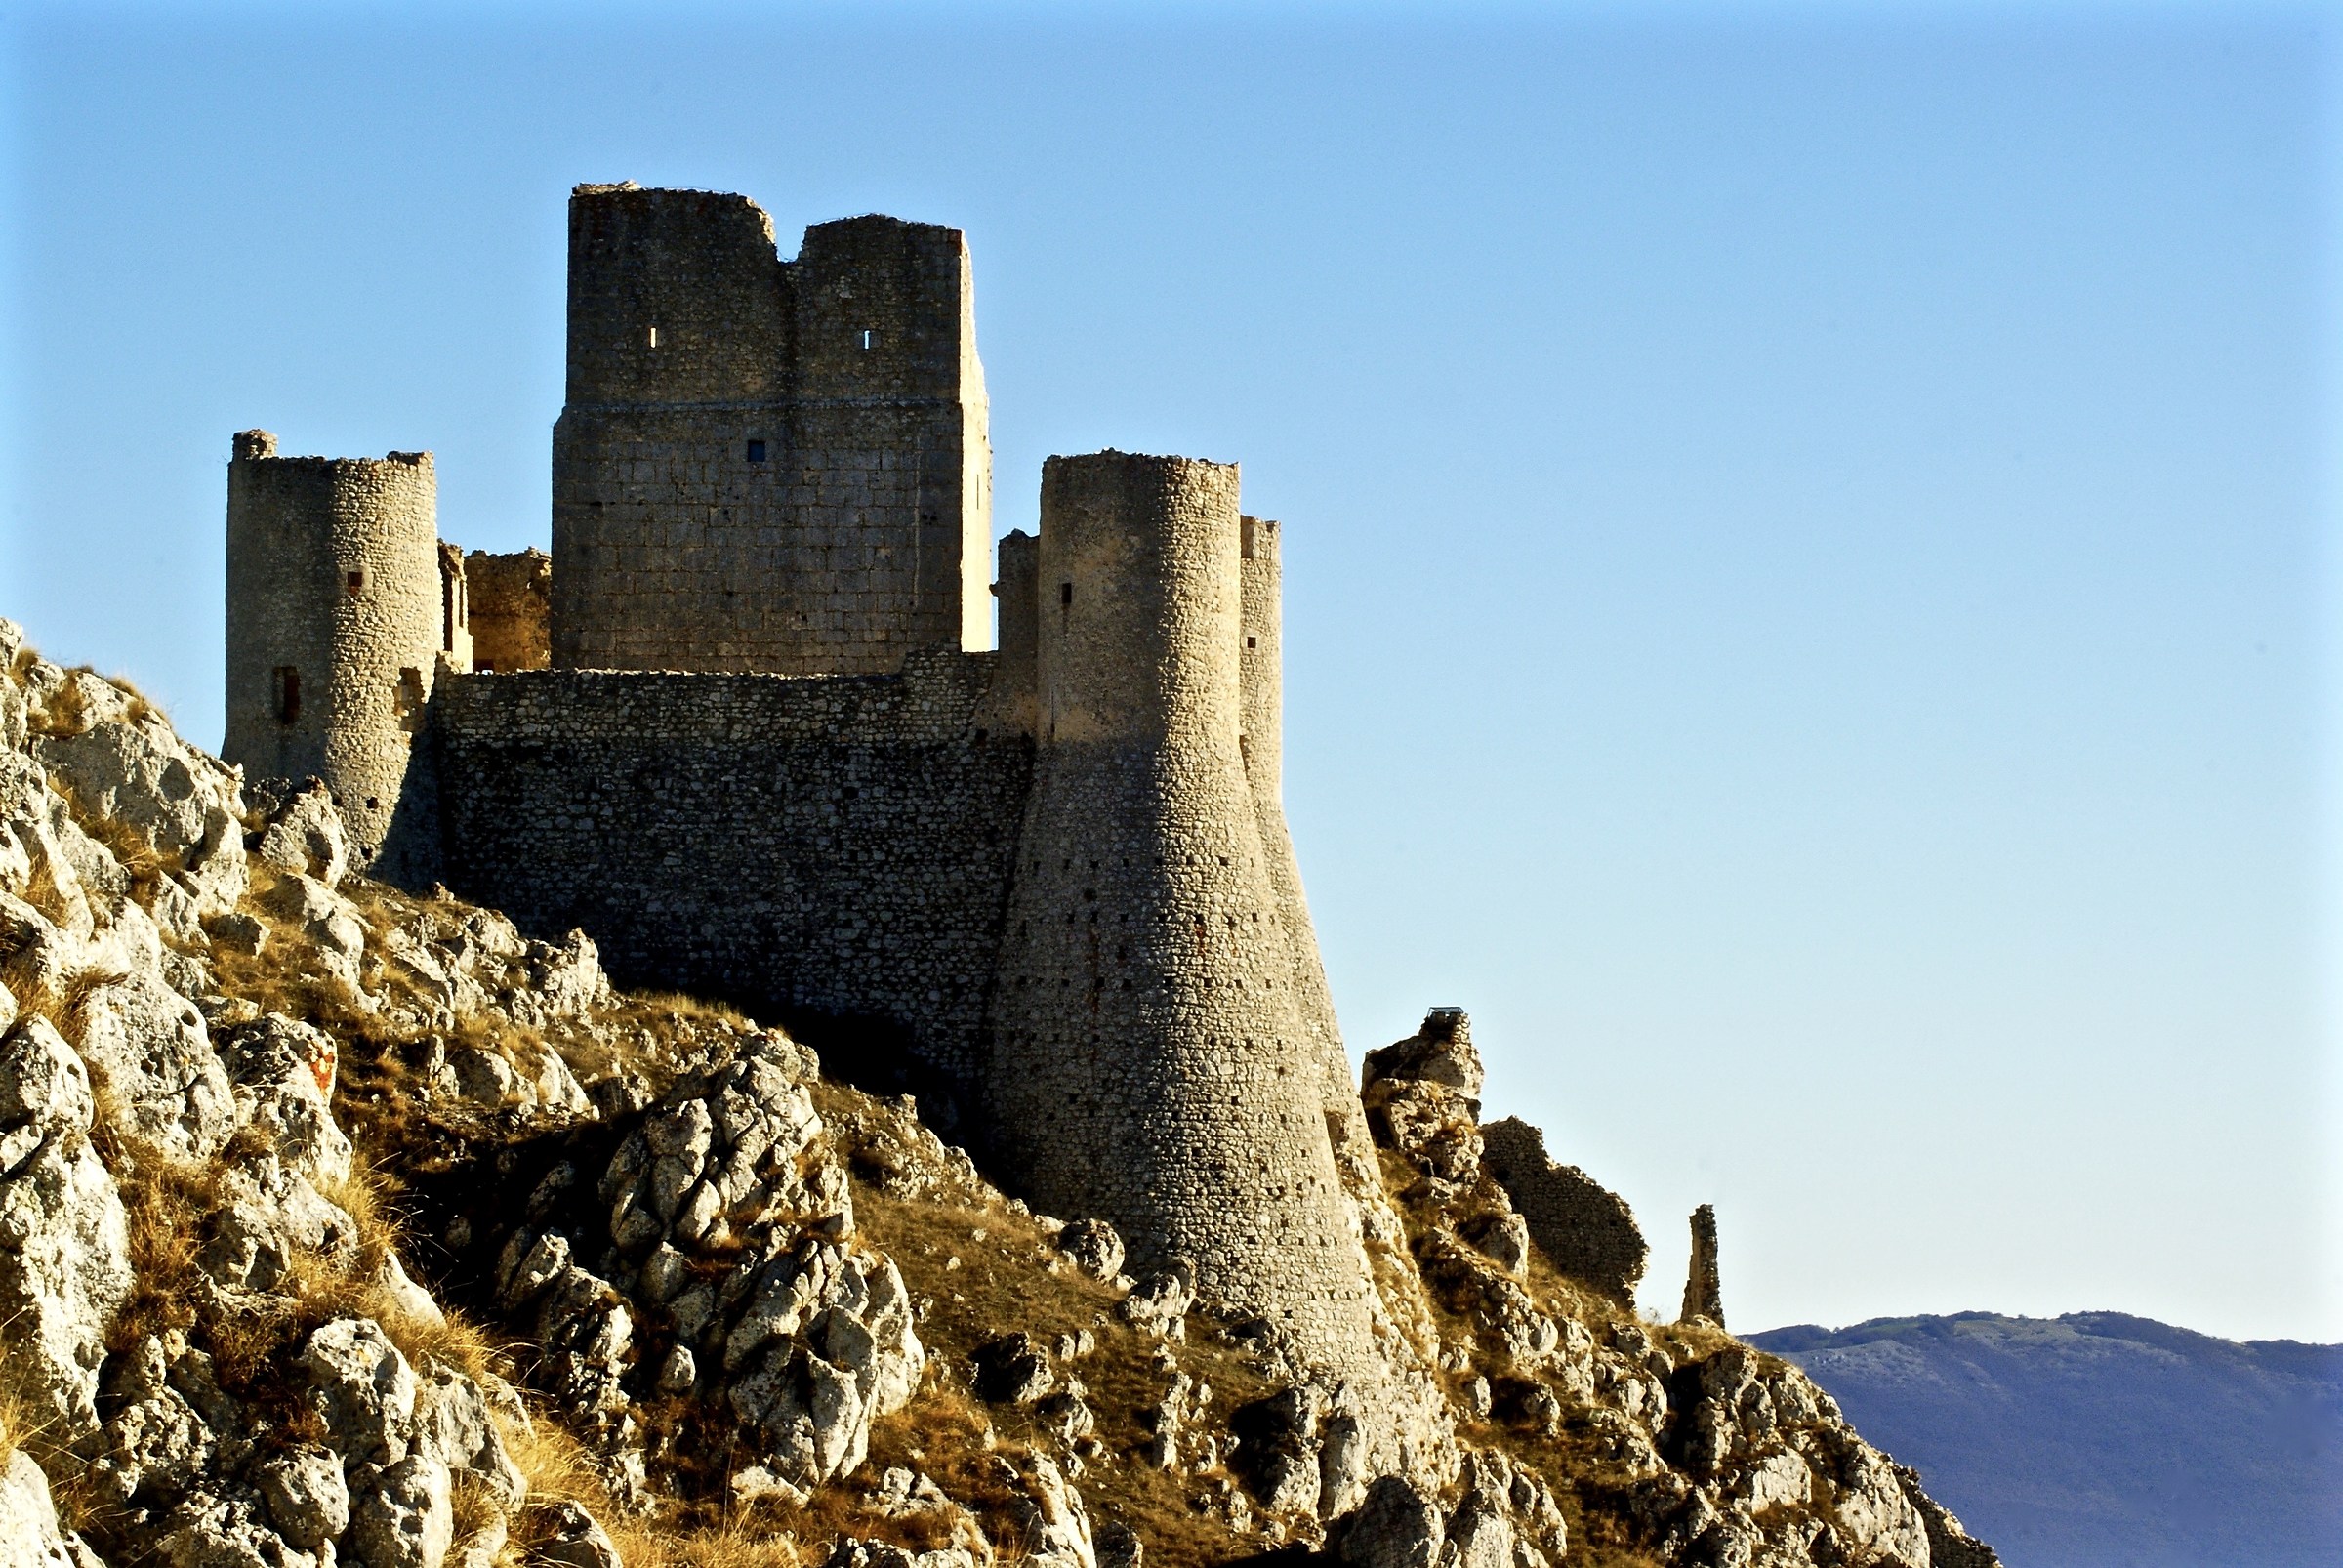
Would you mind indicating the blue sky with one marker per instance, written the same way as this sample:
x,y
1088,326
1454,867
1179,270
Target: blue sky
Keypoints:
x,y
1809,530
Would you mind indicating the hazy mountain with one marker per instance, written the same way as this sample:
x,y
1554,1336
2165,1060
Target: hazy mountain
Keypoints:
x,y
2098,1441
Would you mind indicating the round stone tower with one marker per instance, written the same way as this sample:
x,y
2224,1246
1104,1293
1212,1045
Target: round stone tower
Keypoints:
x,y
1153,1062
1262,692
335,623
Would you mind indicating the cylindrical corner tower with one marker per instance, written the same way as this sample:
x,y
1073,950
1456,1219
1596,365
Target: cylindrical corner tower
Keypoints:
x,y
335,616
1261,684
1152,1065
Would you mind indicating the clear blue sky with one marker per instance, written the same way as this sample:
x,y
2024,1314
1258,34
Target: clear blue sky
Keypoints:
x,y
1810,576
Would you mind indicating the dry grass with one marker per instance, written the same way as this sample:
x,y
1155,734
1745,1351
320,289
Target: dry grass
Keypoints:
x,y
68,713
1008,1277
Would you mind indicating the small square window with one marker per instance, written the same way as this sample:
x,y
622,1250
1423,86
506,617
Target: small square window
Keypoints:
x,y
755,451
1252,641
353,581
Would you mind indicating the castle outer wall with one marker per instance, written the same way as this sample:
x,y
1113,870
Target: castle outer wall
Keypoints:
x,y
834,853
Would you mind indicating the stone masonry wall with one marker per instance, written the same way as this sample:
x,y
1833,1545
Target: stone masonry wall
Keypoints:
x,y
335,622
831,851
511,607
1151,1062
1261,662
1585,1231
766,464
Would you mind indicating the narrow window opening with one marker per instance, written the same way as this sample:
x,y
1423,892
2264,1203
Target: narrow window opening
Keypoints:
x,y
285,693
1066,593
870,338
353,581
1252,641
654,337
755,451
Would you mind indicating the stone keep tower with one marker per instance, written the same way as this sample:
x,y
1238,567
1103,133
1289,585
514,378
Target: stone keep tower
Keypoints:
x,y
766,464
338,610
1154,1061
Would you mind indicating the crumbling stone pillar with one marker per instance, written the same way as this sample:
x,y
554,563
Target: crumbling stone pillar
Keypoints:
x,y
1704,1296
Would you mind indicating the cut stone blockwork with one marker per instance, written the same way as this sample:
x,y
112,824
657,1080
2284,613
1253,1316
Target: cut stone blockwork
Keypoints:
x,y
766,464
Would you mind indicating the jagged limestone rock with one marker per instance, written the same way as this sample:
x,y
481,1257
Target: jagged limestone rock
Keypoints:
x,y
65,1262
150,1045
179,805
308,1499
573,1537
30,1532
362,1390
400,1515
304,835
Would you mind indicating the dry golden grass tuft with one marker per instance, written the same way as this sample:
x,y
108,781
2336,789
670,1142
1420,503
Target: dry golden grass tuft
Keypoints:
x,y
68,713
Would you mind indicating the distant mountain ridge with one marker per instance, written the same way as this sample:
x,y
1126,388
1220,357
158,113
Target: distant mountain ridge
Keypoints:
x,y
2098,1439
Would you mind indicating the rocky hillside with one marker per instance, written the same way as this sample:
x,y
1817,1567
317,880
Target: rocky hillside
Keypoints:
x,y
340,1225
2096,1441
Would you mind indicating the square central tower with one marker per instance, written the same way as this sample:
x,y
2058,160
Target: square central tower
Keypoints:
x,y
765,464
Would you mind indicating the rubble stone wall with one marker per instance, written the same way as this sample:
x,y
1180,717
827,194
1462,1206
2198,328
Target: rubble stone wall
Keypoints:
x,y
511,598
821,849
1260,664
1586,1230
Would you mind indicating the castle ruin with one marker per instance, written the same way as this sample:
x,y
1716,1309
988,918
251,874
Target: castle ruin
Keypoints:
x,y
746,730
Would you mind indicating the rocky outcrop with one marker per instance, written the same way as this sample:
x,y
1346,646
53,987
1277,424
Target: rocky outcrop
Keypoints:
x,y
741,1293
64,1263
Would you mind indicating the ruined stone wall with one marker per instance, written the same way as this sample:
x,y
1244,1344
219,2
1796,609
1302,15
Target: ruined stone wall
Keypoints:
x,y
1019,592
455,609
1151,1061
830,851
766,464
336,615
1703,1291
512,608
1585,1231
